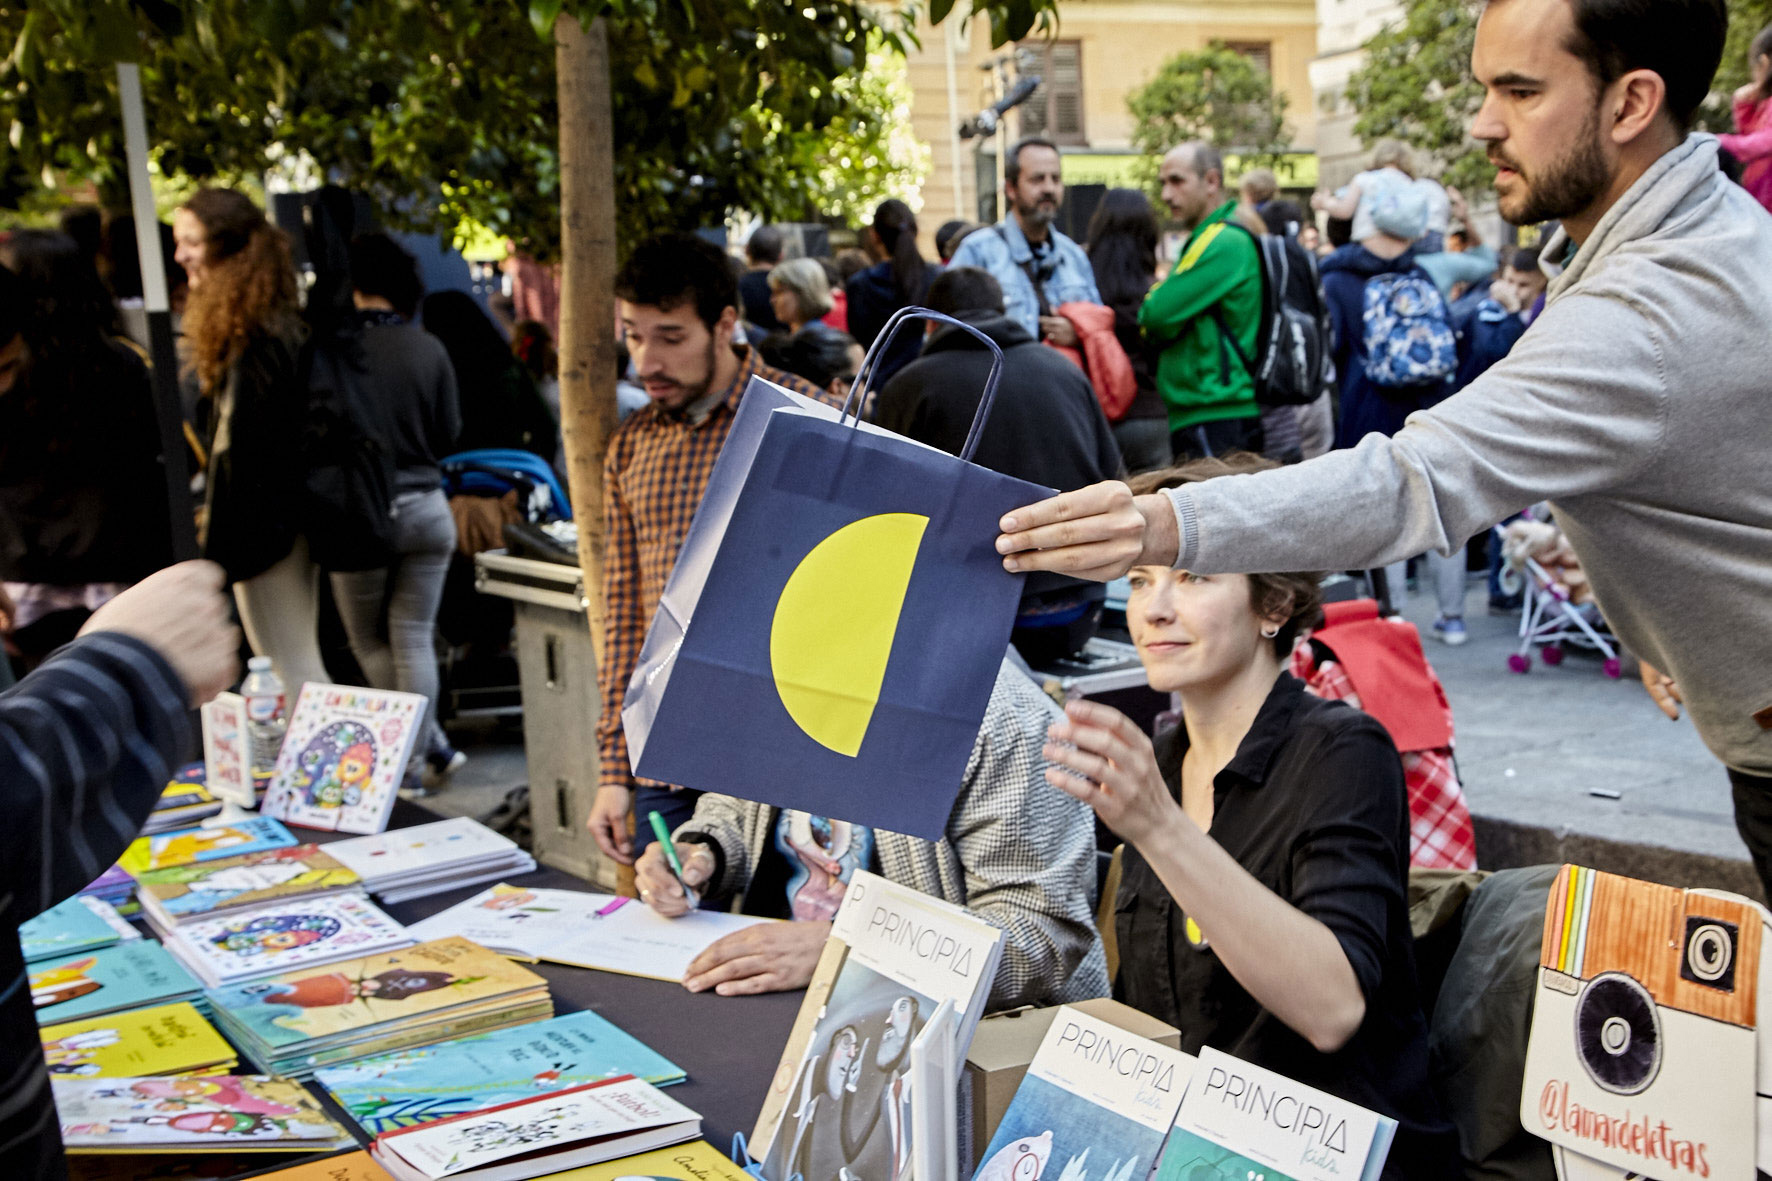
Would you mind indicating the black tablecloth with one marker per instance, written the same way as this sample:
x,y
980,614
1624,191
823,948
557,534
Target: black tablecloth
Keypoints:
x,y
728,1045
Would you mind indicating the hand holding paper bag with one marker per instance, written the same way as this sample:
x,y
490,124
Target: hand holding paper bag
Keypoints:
x,y
830,634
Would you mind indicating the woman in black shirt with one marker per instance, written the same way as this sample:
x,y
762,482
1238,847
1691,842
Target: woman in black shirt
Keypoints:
x,y
1263,908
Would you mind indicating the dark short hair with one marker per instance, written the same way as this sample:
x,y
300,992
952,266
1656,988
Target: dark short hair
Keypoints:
x,y
1012,162
381,266
1681,40
948,236
1299,595
1524,259
764,245
958,290
673,269
1204,158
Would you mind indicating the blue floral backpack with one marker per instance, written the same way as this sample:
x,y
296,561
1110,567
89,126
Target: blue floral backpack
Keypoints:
x,y
1407,330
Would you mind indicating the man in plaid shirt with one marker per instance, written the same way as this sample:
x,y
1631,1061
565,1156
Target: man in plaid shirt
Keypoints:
x,y
678,300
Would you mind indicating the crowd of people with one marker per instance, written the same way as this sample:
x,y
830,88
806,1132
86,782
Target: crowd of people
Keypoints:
x,y
1431,385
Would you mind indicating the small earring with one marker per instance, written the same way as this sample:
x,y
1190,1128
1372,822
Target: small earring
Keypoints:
x,y
1270,632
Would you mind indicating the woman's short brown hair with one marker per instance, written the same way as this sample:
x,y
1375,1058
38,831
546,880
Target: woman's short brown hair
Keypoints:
x,y
1299,595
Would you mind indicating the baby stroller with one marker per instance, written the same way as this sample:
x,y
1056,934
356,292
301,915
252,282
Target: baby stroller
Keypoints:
x,y
479,670
1556,611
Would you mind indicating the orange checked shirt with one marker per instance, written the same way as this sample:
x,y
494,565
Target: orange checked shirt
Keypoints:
x,y
654,474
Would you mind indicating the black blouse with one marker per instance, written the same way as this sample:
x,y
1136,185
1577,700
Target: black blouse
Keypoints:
x,y
1314,806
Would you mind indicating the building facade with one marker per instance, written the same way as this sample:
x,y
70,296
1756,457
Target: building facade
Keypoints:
x,y
1103,50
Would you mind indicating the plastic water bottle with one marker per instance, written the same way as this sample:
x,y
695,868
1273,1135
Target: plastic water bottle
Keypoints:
x,y
267,711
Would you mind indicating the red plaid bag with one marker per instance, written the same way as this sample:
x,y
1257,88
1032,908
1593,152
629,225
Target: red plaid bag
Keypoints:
x,y
1440,834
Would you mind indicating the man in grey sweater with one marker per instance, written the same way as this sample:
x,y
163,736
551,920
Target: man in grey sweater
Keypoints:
x,y
1637,403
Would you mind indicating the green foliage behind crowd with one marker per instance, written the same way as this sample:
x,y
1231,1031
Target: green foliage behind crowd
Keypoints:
x,y
445,111
1415,84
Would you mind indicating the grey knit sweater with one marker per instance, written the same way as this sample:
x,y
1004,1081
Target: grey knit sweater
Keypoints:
x,y
1639,403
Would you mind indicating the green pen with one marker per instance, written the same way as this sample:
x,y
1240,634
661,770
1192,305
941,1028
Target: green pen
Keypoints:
x,y
670,851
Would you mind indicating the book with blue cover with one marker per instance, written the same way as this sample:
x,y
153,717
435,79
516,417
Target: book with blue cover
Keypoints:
x,y
417,1086
185,845
71,926
1096,1103
126,976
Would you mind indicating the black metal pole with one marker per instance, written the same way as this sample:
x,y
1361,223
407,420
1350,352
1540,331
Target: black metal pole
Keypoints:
x,y
169,408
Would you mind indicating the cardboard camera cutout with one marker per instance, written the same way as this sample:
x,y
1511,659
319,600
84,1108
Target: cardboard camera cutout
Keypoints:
x,y
1643,1053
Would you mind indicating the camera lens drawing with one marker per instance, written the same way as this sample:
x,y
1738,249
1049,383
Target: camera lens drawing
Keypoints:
x,y
1710,952
1618,1033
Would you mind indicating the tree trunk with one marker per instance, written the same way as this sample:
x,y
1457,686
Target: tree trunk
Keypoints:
x,y
587,286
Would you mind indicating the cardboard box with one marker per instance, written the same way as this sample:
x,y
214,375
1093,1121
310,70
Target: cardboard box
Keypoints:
x,y
1006,1042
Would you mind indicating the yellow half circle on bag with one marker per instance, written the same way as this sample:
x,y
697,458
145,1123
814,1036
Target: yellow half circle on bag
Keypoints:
x,y
834,625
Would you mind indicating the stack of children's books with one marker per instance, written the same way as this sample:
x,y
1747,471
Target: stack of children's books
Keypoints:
x,y
294,1022
165,1039
219,1113
186,846
185,801
180,894
284,937
539,1134
78,924
126,975
419,1086
427,859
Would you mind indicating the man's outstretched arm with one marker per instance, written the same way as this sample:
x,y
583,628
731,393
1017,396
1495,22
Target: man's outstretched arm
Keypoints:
x,y
1577,407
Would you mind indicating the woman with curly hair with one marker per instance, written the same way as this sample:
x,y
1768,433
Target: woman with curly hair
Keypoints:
x,y
243,327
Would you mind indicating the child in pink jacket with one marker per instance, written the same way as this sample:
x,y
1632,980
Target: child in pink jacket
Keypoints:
x,y
1752,142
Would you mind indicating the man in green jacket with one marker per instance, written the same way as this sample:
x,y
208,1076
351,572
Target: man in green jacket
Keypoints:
x,y
1205,315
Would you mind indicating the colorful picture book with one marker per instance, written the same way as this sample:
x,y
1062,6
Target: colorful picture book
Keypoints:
x,y
894,955
77,924
581,1125
343,757
218,1113
227,750
283,937
186,845
415,862
165,1039
695,1160
436,1082
123,976
603,931
291,1023
185,893
185,801
1238,1119
1096,1102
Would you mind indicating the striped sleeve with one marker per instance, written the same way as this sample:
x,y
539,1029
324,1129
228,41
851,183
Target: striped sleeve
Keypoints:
x,y
87,743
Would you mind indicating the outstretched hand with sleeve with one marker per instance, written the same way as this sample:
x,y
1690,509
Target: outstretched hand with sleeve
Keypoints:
x,y
1098,533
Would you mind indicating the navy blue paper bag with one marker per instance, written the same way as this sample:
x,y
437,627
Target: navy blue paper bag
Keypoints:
x,y
831,632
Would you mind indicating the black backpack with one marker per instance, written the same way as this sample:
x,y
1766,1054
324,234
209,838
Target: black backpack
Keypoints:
x,y
347,511
1292,362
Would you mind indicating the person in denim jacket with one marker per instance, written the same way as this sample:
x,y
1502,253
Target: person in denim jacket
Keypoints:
x,y
1024,247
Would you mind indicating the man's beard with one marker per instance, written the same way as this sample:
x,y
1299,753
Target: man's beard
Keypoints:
x,y
1036,213
695,391
1566,187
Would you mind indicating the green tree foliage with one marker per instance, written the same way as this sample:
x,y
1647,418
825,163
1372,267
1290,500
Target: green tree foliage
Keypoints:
x,y
1217,95
1416,86
445,110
